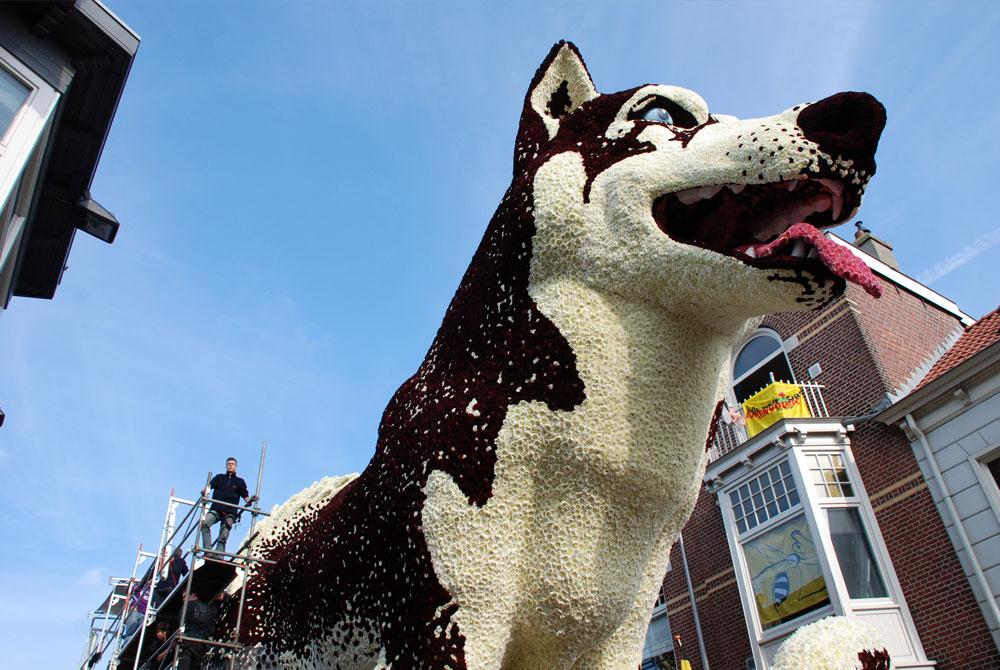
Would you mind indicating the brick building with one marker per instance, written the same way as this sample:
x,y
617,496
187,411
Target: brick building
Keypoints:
x,y
828,513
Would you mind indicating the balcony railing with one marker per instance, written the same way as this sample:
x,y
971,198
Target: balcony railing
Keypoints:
x,y
729,435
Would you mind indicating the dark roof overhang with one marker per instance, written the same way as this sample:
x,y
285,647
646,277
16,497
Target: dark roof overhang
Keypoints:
x,y
100,49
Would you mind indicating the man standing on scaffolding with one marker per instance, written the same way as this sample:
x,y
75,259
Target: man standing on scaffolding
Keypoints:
x,y
227,488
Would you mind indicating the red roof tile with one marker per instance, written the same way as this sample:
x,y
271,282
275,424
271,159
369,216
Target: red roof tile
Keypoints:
x,y
976,337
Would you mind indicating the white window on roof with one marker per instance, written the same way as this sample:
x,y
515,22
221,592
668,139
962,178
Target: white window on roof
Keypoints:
x,y
27,104
13,94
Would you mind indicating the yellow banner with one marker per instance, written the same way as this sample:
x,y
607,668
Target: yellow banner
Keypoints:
x,y
772,403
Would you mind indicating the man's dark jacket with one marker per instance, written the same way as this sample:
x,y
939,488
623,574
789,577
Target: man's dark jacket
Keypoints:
x,y
228,488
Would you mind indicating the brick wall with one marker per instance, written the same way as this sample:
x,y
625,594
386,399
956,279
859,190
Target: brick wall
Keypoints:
x,y
901,328
835,339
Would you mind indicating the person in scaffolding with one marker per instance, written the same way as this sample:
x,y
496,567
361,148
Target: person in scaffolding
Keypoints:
x,y
173,572
199,624
226,488
160,660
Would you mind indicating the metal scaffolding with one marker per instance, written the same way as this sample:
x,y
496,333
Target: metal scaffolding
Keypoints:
x,y
124,623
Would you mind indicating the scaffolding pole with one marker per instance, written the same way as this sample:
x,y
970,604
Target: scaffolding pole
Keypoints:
x,y
250,535
151,586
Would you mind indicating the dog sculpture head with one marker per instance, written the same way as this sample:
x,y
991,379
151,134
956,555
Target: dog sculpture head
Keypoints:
x,y
647,193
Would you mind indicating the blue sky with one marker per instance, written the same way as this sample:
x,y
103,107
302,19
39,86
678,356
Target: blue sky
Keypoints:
x,y
300,187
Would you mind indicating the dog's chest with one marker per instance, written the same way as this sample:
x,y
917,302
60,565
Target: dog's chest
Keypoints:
x,y
580,498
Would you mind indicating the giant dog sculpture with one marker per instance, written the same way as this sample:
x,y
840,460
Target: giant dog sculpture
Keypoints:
x,y
530,478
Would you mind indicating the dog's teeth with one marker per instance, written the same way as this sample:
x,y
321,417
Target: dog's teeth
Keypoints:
x,y
751,252
833,186
799,249
688,195
792,184
736,188
692,195
838,204
710,191
812,253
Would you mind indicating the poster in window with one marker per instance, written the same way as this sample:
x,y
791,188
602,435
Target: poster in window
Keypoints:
x,y
785,573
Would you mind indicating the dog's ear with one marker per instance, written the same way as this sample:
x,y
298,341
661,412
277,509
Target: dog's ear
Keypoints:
x,y
560,86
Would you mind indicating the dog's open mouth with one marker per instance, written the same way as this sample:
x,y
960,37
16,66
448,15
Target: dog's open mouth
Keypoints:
x,y
769,225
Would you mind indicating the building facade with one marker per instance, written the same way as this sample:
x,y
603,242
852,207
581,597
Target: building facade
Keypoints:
x,y
952,421
63,66
827,511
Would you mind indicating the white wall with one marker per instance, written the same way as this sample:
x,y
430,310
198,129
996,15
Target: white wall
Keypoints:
x,y
962,433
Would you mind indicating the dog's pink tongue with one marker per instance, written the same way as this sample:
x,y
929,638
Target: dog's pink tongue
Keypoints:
x,y
839,260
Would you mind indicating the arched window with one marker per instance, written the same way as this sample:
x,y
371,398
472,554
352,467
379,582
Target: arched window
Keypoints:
x,y
760,358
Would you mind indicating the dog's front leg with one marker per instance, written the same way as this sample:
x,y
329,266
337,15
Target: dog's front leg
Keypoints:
x,y
623,647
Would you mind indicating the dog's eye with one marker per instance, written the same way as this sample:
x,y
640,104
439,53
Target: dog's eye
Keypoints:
x,y
658,114
664,110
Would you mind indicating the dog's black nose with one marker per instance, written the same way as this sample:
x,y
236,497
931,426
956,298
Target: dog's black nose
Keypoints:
x,y
845,124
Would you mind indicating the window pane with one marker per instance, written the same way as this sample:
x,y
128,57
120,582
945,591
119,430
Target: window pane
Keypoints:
x,y
12,96
763,497
753,353
778,366
785,574
658,638
854,553
830,476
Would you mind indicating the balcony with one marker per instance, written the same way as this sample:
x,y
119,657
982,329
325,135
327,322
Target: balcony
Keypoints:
x,y
731,435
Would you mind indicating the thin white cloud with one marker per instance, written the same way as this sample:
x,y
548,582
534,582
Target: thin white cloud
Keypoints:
x,y
955,261
91,577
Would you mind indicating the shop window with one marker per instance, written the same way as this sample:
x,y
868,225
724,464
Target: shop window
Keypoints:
x,y
760,361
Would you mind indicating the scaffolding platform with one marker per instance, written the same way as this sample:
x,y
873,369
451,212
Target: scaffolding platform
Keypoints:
x,y
211,573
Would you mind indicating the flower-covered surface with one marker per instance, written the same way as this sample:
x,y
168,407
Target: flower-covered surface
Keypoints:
x,y
530,477
833,643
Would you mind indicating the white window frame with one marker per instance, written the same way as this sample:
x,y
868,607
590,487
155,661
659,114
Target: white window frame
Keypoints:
x,y
819,506
733,381
738,540
14,213
813,508
979,463
27,126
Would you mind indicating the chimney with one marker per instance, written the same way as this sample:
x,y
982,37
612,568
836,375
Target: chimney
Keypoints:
x,y
874,246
